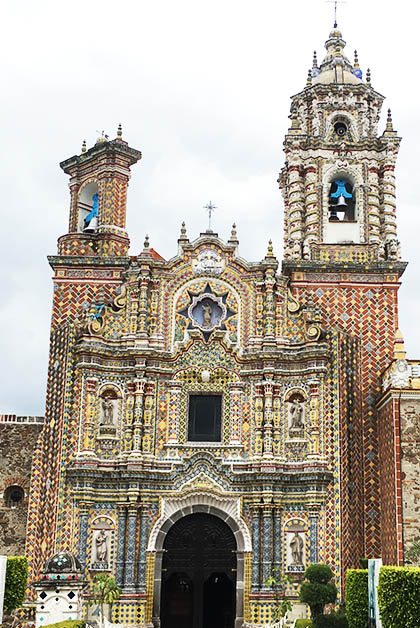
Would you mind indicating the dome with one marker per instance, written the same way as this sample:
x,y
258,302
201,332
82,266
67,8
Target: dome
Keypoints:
x,y
63,562
336,67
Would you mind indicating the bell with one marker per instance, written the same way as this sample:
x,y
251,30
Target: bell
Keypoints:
x,y
341,202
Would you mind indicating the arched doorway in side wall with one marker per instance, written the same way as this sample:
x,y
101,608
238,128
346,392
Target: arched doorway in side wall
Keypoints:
x,y
198,574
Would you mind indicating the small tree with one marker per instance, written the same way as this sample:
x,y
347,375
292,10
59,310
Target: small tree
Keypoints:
x,y
15,585
319,590
277,582
104,590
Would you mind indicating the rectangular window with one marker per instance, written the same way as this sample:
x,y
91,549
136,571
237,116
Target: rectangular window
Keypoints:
x,y
205,418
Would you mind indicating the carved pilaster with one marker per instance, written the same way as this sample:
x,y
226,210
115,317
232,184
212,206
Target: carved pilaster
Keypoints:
x,y
88,436
389,201
259,418
236,391
268,419
148,413
141,568
267,531
277,538
140,385
313,533
122,522
174,391
256,546
130,552
142,328
373,218
83,532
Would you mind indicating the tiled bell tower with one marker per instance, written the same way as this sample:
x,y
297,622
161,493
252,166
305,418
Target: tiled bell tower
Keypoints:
x,y
88,274
340,238
98,188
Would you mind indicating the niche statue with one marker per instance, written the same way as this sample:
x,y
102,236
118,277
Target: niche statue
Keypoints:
x,y
296,545
296,414
101,547
107,412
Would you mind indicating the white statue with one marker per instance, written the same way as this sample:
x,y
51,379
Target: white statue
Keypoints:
x,y
107,412
296,545
101,547
296,414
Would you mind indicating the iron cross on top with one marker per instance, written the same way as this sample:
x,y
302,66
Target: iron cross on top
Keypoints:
x,y
210,209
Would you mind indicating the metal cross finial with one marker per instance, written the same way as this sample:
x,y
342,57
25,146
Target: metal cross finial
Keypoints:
x,y
210,208
335,2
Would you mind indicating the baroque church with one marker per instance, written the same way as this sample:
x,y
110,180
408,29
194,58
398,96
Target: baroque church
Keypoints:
x,y
211,419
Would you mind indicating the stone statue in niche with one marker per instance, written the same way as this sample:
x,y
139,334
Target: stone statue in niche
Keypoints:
x,y
296,547
101,547
206,314
107,412
296,410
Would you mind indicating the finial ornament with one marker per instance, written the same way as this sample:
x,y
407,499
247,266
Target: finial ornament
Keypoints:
x,y
368,76
309,79
270,249
183,229
335,2
119,131
233,232
146,242
210,209
84,146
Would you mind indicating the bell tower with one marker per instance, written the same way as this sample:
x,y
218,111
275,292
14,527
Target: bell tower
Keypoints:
x,y
338,181
98,197
340,237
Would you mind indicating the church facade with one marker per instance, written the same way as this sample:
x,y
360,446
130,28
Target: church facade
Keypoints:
x,y
210,419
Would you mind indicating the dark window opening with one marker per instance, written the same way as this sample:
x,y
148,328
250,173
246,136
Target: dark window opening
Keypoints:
x,y
13,496
342,201
204,418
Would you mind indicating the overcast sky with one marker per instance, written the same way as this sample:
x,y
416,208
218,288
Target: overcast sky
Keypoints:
x,y
203,90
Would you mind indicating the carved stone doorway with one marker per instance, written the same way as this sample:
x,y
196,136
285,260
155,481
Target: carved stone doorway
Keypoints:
x,y
199,574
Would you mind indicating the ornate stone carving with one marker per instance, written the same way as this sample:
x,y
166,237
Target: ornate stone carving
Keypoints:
x,y
207,311
208,262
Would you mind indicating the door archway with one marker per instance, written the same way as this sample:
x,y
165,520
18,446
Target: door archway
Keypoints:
x,y
198,585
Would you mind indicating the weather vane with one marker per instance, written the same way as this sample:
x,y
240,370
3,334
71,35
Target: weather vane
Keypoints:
x,y
210,209
335,2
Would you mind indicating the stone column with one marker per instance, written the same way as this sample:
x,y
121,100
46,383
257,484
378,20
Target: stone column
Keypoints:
x,y
258,418
141,565
236,390
267,543
130,552
88,437
83,532
268,420
138,416
296,203
313,533
389,204
277,538
372,219
313,219
148,411
314,419
270,282
142,330
256,544
175,389
122,519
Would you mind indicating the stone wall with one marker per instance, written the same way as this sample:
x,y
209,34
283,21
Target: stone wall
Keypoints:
x,y
18,437
410,465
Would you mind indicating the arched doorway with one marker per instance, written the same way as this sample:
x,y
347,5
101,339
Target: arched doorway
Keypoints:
x,y
198,574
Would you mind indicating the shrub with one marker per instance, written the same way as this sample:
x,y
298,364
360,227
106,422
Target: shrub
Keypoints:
x,y
333,620
357,598
318,591
70,623
398,596
15,585
303,623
